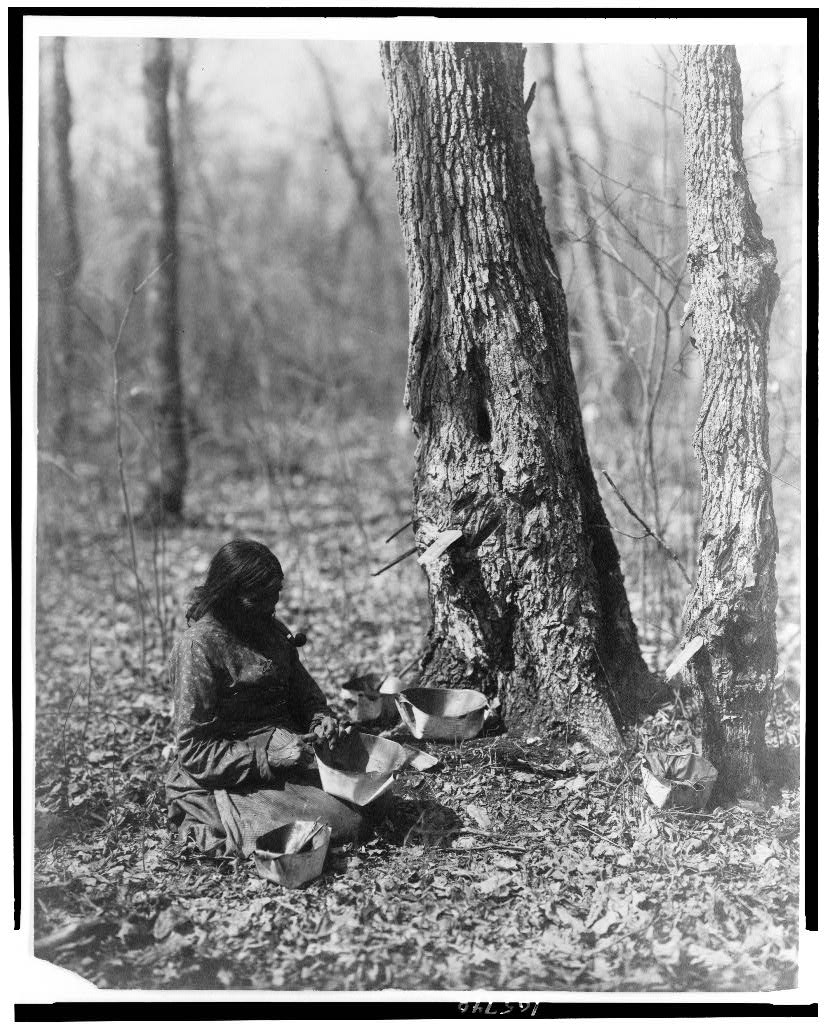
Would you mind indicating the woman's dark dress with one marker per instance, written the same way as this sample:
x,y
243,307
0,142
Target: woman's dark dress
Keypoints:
x,y
229,697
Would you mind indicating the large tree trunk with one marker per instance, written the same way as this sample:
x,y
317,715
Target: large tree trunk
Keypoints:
x,y
530,605
733,602
69,252
167,491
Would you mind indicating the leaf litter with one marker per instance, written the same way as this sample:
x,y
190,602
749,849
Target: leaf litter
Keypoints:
x,y
520,864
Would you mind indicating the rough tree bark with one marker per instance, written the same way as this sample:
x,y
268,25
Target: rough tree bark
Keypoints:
x,y
167,490
530,605
733,602
69,251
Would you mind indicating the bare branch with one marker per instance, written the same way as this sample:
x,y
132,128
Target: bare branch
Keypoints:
x,y
127,507
656,103
661,267
136,291
601,273
648,531
630,188
356,173
617,259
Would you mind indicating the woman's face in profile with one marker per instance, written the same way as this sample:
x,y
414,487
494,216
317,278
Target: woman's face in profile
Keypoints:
x,y
265,601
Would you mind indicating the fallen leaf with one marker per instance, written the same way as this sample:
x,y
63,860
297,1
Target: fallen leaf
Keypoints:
x,y
479,815
464,843
605,922
506,863
72,932
493,883
166,922
762,853
563,914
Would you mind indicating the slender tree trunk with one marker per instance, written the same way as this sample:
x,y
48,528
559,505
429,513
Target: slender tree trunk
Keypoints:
x,y
555,217
70,257
733,603
182,58
530,605
167,492
625,384
358,174
598,294
45,217
611,290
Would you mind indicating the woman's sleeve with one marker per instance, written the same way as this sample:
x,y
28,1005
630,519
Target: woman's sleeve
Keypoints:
x,y
309,702
212,760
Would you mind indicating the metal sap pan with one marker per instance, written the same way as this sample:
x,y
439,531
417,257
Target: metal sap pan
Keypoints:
x,y
279,858
435,713
368,700
361,767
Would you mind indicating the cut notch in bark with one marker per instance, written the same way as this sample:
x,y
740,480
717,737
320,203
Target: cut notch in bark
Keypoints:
x,y
484,426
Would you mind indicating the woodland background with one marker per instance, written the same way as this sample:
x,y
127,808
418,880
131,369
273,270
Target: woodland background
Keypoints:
x,y
294,342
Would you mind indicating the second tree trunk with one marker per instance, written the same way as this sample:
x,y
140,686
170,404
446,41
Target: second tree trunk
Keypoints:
x,y
732,605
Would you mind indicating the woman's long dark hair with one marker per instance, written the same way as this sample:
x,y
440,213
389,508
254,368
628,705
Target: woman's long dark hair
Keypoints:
x,y
239,572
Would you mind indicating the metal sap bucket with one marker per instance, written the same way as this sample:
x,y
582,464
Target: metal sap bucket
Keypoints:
x,y
389,690
678,780
435,713
365,702
367,709
293,854
369,702
361,767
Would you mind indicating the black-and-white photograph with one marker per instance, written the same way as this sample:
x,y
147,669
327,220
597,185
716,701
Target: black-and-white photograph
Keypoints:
x,y
416,577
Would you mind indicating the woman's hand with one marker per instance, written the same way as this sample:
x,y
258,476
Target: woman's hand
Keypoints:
x,y
328,729
286,750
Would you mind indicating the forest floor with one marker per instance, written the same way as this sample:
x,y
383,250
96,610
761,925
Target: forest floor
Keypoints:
x,y
520,864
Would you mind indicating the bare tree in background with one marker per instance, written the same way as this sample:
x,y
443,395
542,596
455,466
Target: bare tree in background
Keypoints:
x,y
559,235
183,55
167,491
530,604
625,383
354,166
68,240
555,183
733,602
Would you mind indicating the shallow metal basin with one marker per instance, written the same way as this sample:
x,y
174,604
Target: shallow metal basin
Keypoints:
x,y
280,857
360,768
361,693
435,713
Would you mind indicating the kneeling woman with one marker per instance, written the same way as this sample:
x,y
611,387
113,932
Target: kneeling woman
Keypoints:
x,y
243,702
